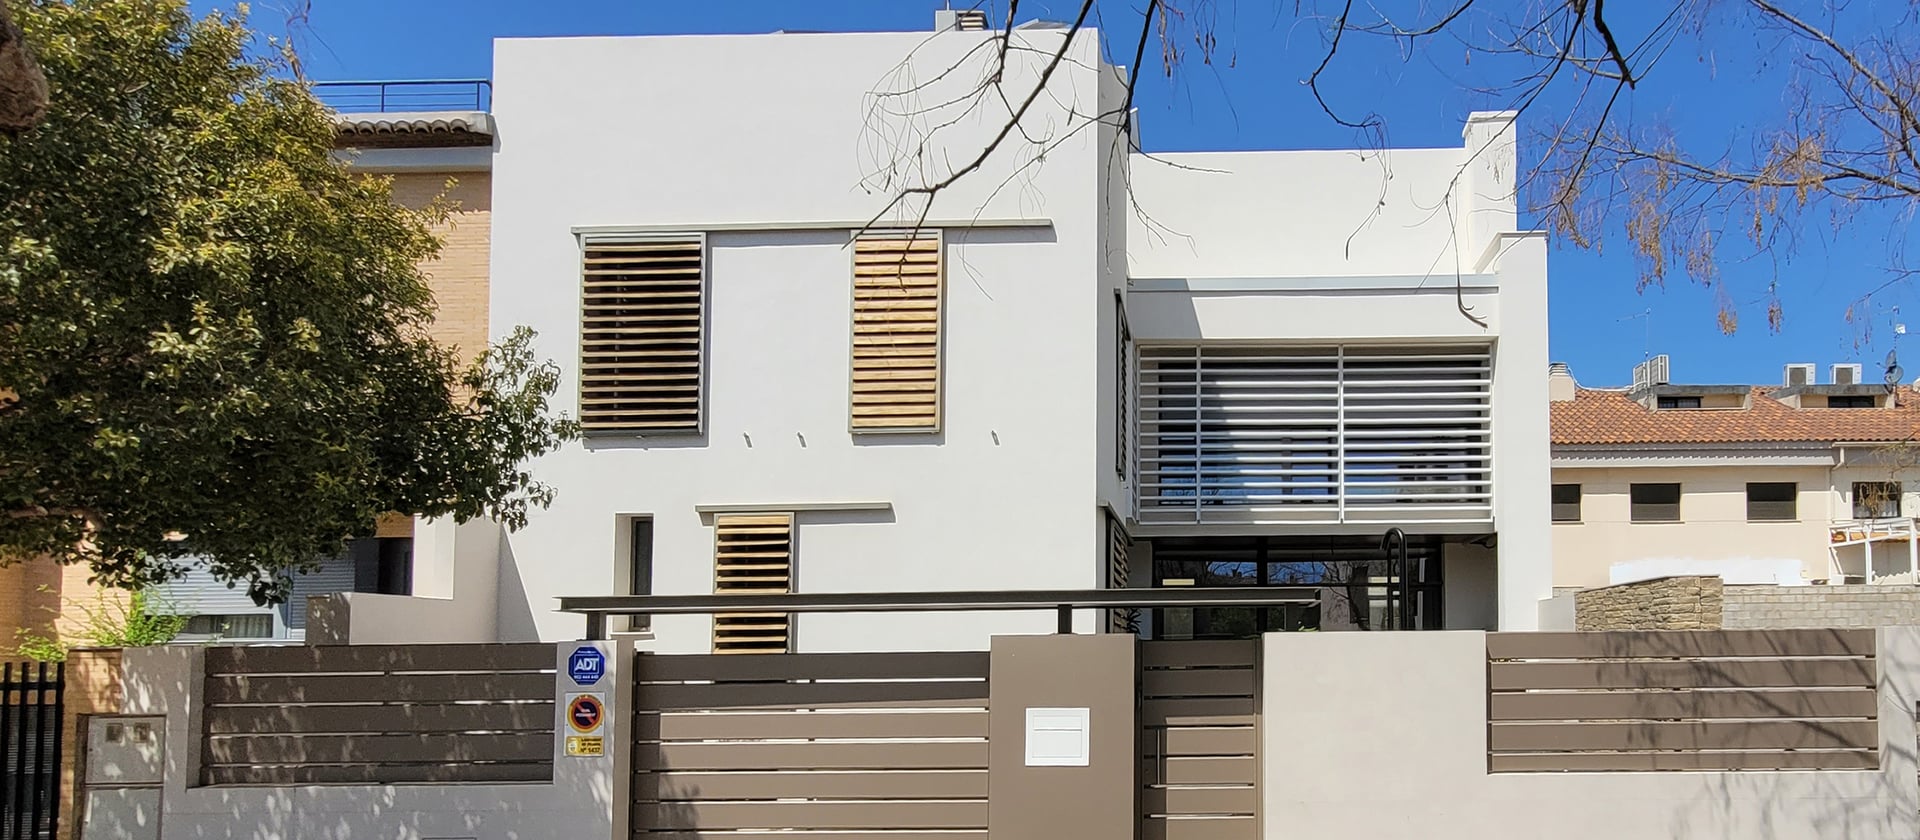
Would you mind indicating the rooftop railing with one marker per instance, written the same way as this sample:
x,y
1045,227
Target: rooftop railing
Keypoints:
x,y
408,95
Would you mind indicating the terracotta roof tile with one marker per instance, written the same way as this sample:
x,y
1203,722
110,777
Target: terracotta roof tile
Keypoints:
x,y
1611,417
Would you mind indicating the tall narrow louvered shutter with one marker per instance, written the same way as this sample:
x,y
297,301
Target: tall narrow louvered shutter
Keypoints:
x,y
1119,572
642,331
897,296
753,554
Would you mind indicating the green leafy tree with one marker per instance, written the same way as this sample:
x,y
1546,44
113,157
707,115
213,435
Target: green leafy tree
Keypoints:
x,y
213,336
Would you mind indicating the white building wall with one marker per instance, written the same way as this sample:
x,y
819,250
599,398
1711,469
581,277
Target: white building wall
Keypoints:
x,y
777,132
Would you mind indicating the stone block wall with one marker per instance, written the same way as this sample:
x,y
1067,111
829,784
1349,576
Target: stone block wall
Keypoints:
x,y
1780,607
1691,602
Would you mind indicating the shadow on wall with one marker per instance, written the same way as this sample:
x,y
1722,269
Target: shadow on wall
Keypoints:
x,y
515,611
1841,812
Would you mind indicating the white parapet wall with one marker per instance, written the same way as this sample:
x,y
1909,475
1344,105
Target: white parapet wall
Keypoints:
x,y
1385,735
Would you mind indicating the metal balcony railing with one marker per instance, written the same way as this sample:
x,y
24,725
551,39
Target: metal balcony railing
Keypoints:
x,y
407,95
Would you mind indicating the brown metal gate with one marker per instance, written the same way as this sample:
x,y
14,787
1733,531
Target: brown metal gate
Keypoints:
x,y
1199,742
855,744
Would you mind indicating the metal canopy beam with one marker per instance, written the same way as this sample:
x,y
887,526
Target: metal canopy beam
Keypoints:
x,y
597,607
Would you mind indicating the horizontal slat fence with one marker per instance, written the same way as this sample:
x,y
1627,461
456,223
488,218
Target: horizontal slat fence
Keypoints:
x,y
376,714
846,745
1198,744
1682,700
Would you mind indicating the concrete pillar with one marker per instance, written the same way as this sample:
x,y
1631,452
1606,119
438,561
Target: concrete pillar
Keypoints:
x,y
1063,677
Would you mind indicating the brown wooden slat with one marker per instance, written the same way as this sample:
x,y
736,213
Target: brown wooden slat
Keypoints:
x,y
308,659
642,303
1641,762
1200,828
412,688
696,727
1682,674
1679,643
273,720
1627,705
1183,741
377,749
373,774
877,695
1664,735
826,815
816,755
1198,771
1241,653
1197,711
1197,683
1212,800
794,784
677,834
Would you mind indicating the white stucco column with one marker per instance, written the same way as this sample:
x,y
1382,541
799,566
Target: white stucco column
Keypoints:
x,y
1521,444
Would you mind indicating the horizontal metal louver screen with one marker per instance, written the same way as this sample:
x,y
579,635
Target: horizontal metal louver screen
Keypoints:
x,y
896,333
753,554
1315,434
642,323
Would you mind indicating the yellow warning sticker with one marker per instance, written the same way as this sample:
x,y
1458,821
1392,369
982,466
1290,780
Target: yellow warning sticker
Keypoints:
x,y
588,745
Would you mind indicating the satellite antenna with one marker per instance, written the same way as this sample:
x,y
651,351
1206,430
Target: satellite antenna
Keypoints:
x,y
1894,373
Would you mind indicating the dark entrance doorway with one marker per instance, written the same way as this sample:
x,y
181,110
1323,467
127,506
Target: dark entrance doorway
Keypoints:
x,y
1359,590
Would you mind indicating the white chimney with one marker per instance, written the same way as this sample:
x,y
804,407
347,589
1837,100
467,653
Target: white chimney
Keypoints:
x,y
1561,386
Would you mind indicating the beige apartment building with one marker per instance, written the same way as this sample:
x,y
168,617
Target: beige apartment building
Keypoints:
x,y
1805,482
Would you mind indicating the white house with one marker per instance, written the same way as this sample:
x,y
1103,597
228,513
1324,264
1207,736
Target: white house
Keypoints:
x,y
1084,367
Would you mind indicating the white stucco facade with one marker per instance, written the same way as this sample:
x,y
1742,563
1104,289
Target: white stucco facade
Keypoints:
x,y
604,137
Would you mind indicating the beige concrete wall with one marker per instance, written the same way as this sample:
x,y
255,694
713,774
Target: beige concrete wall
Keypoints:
x,y
1769,607
1391,741
1713,535
1099,673
1689,602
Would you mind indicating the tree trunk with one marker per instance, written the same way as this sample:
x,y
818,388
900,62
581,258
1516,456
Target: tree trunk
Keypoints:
x,y
23,87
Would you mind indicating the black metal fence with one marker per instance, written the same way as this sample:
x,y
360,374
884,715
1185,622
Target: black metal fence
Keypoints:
x,y
409,95
32,700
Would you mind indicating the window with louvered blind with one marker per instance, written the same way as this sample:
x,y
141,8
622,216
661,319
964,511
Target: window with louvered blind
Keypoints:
x,y
897,296
1329,434
753,554
642,335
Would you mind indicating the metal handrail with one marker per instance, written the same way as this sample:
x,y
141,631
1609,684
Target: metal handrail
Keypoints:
x,y
405,95
597,607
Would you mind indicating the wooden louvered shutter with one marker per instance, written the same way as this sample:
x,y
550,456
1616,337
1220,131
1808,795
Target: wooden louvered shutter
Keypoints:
x,y
1119,565
642,322
897,282
753,554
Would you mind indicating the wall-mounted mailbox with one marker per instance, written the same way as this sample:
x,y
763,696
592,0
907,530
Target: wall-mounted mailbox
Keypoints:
x,y
1059,737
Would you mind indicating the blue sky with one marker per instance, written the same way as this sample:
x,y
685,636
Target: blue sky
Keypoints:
x,y
1250,96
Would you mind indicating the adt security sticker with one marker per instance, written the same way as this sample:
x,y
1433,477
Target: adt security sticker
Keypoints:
x,y
586,665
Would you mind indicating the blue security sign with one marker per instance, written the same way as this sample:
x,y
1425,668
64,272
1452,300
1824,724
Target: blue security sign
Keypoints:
x,y
586,665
